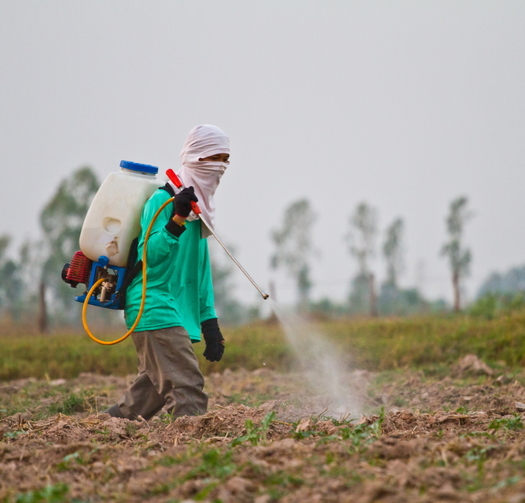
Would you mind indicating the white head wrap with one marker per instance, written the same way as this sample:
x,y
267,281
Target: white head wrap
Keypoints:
x,y
204,141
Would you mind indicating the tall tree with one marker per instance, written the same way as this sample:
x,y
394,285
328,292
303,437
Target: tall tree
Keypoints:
x,y
393,251
459,256
16,282
5,239
361,236
391,297
29,272
10,282
294,247
361,245
61,222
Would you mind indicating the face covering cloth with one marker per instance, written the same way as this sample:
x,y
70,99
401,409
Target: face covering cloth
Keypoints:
x,y
204,141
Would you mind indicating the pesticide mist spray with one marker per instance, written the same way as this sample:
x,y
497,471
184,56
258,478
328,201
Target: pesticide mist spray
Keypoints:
x,y
323,365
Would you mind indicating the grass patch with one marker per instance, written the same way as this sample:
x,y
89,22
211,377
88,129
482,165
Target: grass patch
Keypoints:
x,y
430,342
213,465
62,356
55,400
255,434
73,402
50,494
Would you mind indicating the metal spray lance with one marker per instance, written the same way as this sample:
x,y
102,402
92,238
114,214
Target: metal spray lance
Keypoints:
x,y
195,207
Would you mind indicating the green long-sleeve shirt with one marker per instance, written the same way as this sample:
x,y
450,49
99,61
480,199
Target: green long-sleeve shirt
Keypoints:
x,y
179,281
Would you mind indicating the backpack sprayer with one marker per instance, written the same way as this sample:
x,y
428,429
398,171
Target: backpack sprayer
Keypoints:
x,y
107,262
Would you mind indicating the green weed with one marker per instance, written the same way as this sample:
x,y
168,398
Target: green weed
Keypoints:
x,y
502,484
75,459
400,402
50,494
160,489
358,436
513,423
283,479
167,417
275,494
69,460
478,455
203,493
73,402
255,434
170,461
214,464
479,434
14,434
361,435
131,429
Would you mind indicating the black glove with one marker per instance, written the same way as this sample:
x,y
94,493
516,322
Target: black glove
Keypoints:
x,y
214,340
183,201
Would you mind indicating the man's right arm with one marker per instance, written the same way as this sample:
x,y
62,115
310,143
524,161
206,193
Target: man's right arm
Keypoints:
x,y
165,232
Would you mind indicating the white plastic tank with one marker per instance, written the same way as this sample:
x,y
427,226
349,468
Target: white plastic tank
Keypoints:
x,y
113,219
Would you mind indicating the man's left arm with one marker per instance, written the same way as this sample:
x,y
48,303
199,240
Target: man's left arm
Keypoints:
x,y
208,317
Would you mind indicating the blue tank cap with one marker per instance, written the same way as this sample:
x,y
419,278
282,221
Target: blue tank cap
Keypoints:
x,y
142,168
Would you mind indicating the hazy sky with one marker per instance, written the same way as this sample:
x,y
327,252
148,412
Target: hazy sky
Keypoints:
x,y
404,105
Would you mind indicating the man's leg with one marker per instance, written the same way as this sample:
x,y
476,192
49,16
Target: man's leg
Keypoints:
x,y
140,399
169,375
173,368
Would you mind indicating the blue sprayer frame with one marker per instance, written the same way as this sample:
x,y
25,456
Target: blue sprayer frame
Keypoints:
x,y
115,299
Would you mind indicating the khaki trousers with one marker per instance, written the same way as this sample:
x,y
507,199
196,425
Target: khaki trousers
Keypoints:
x,y
169,375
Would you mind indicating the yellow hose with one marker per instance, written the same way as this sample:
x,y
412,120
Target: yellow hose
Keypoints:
x,y
144,280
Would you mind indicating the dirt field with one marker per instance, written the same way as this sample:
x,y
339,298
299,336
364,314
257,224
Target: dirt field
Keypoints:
x,y
417,438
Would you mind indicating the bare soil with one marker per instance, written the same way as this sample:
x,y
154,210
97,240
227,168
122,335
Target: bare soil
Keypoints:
x,y
418,438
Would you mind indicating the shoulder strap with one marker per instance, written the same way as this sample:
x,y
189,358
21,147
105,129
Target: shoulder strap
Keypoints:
x,y
134,266
169,189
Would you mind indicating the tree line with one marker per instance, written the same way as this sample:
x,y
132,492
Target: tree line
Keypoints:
x,y
31,288
294,251
30,285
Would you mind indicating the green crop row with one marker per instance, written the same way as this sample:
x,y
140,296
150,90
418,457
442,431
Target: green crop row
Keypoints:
x,y
373,344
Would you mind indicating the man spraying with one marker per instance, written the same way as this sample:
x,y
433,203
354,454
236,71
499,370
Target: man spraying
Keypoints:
x,y
179,302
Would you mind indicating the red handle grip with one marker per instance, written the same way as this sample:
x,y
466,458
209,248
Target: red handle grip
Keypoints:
x,y
176,180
